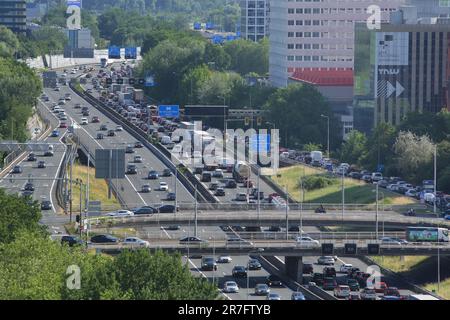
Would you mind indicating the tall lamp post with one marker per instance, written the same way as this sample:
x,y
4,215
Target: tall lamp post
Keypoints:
x,y
328,134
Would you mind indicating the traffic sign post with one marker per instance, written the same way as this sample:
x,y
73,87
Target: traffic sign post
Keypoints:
x,y
169,111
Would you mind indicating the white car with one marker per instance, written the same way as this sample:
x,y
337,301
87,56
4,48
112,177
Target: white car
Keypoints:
x,y
230,287
218,173
119,128
163,186
121,213
345,267
411,193
368,294
84,121
224,259
342,291
136,242
307,242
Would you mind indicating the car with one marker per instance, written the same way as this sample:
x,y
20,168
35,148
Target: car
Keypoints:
x,y
389,241
171,196
17,169
391,291
354,296
208,264
307,242
135,242
224,259
317,278
100,136
345,267
77,106
167,208
146,188
61,102
213,186
353,285
368,294
48,153
152,175
46,205
111,133
104,238
27,193
239,271
119,128
308,268
230,184
129,149
342,291
137,159
273,296
206,177
145,210
274,281
121,213
173,227
230,287
297,295
28,186
294,229
55,133
95,119
325,260
254,264
131,169
63,125
329,283
31,157
241,196
84,121
236,241
104,127
351,273
274,229
220,192
329,272
362,277
262,289
71,240
138,144
193,240
163,186
218,173
380,287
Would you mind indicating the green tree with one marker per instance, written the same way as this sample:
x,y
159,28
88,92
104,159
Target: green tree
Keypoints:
x,y
379,149
354,147
9,44
248,56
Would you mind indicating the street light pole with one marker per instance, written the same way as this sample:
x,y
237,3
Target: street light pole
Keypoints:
x,y
376,214
328,134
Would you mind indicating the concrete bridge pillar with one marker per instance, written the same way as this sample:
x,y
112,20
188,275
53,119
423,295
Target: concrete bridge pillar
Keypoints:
x,y
294,268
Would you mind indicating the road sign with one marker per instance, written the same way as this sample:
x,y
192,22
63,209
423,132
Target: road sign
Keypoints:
x,y
373,248
114,52
169,111
109,163
327,249
149,80
130,53
350,248
74,3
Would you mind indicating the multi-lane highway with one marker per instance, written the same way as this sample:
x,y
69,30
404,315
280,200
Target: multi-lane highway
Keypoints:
x,y
130,187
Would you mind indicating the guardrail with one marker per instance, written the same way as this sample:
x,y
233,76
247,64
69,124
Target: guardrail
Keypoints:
x,y
188,181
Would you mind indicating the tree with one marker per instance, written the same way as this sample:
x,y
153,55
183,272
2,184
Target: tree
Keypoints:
x,y
248,56
191,83
9,44
354,148
217,88
412,152
296,110
379,148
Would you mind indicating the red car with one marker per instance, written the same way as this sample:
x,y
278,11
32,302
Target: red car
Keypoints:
x,y
95,119
392,291
63,125
381,287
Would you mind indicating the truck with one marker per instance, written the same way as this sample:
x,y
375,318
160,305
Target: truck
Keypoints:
x,y
241,171
427,234
316,158
138,95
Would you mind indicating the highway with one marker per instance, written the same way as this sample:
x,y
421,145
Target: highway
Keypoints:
x,y
130,187
43,179
230,194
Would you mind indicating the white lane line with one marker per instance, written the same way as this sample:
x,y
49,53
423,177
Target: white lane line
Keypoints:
x,y
167,234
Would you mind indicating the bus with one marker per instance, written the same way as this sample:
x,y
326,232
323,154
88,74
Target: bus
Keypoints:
x,y
427,234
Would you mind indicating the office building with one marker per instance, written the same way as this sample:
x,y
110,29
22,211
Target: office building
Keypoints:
x,y
13,15
254,19
313,35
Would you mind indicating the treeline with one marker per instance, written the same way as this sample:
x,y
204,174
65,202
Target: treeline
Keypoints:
x,y
19,88
35,267
406,150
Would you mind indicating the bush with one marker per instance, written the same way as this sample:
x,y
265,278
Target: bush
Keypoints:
x,y
317,182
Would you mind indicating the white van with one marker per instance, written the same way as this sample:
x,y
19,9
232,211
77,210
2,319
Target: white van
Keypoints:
x,y
165,140
377,176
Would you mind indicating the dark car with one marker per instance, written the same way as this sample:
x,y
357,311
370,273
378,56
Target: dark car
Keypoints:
x,y
145,210
206,177
100,136
209,264
317,278
166,173
138,144
48,153
152,175
28,186
392,291
274,229
167,208
254,264
17,169
131,169
220,192
103,127
85,113
171,196
362,279
188,240
353,284
294,229
308,268
111,133
239,271
329,272
129,149
213,186
230,184
71,240
329,283
274,281
46,205
104,238
32,157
